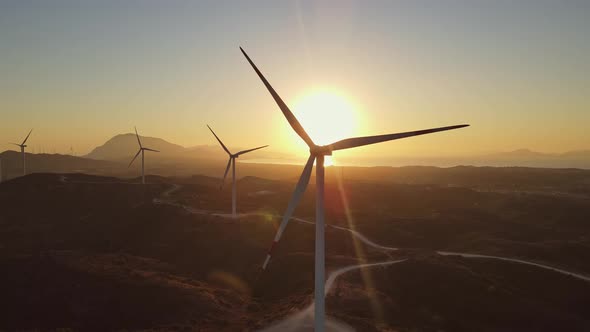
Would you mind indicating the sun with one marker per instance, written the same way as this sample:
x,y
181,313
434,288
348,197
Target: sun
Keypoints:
x,y
326,116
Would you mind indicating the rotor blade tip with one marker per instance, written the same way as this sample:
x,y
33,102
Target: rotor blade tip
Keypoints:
x,y
244,53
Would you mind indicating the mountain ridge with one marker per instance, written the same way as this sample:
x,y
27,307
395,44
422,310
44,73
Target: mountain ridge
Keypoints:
x,y
123,145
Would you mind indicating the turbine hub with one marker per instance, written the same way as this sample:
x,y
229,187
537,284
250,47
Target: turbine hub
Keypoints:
x,y
323,150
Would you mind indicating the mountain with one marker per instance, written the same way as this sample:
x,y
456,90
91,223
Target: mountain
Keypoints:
x,y
206,151
515,158
528,158
520,154
124,146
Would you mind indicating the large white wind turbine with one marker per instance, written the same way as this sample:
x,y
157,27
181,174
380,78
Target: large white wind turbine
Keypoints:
x,y
317,153
22,150
141,150
232,161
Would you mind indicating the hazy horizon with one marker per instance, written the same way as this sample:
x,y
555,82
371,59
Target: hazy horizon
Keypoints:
x,y
125,146
40,148
122,147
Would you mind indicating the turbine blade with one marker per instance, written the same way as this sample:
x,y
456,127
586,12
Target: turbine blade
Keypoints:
x,y
297,194
132,160
225,174
151,150
220,142
360,141
15,144
286,111
26,138
137,135
250,150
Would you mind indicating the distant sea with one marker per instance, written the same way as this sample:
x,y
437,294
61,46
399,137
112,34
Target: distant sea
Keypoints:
x,y
362,162
434,161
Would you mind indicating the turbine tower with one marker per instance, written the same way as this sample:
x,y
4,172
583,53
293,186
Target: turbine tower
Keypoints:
x,y
22,150
141,150
317,153
232,161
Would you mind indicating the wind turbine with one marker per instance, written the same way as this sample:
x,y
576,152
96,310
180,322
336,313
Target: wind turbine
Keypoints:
x,y
232,161
317,153
22,150
141,150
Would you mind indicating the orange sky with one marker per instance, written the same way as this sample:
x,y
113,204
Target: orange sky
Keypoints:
x,y
82,73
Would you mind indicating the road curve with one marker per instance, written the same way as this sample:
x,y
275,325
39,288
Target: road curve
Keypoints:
x,y
303,320
371,243
514,260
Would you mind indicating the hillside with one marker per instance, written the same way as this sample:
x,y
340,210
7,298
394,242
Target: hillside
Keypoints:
x,y
56,163
99,253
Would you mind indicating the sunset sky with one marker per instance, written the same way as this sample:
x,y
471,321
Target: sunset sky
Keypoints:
x,y
80,72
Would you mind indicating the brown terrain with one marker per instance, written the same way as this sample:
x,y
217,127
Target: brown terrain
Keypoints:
x,y
81,252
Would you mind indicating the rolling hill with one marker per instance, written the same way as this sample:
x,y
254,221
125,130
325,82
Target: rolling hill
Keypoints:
x,y
36,163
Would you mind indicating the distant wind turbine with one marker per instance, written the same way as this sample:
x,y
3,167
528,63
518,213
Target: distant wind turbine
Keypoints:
x,y
141,150
22,150
317,153
232,162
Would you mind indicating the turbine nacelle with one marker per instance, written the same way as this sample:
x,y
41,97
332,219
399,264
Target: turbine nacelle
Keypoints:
x,y
232,163
141,150
23,145
320,150
232,156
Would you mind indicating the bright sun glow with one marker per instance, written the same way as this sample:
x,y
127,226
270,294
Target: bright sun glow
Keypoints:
x,y
326,116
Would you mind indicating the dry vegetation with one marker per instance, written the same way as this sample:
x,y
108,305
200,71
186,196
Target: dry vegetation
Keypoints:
x,y
96,253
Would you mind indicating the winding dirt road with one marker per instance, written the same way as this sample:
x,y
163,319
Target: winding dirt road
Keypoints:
x,y
303,320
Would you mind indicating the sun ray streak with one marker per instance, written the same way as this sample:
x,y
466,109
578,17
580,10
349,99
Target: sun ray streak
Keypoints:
x,y
359,251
